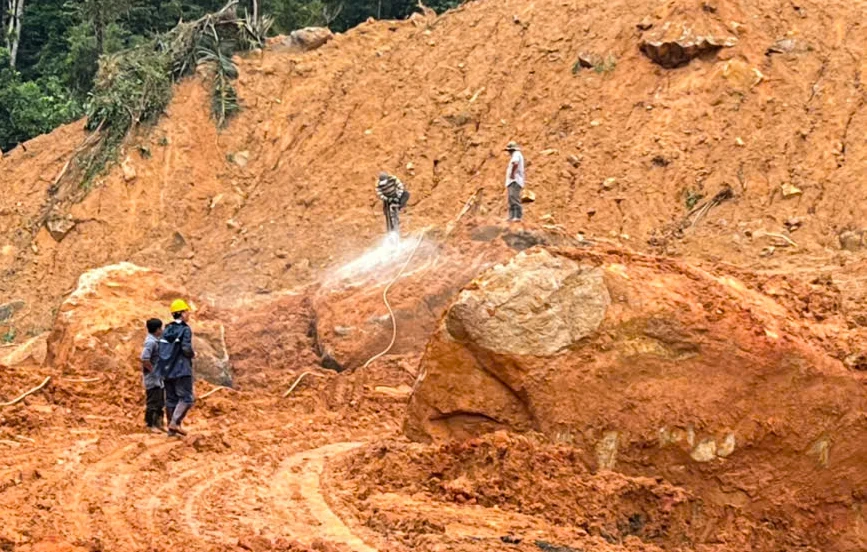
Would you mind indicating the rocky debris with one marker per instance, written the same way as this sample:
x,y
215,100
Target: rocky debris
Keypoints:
x,y
59,227
8,310
673,45
101,325
851,240
537,304
308,38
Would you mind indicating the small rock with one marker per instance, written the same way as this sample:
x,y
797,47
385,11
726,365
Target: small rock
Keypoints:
x,y
645,24
856,361
594,123
851,240
129,173
739,141
767,251
280,254
410,166
59,228
704,451
343,331
550,151
241,158
233,224
787,46
303,264
790,190
589,60
727,447
176,243
609,183
8,310
527,196
574,160
793,224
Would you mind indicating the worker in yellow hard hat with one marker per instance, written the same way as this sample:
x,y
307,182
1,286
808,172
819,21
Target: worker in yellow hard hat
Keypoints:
x,y
176,366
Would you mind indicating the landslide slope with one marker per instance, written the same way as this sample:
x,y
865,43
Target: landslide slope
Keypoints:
x,y
623,147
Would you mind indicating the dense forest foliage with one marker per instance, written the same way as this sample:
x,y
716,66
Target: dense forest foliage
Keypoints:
x,y
50,49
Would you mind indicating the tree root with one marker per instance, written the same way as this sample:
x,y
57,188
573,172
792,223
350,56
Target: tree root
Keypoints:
x,y
34,390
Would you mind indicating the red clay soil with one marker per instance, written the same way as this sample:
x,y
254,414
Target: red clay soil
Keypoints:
x,y
435,100
260,222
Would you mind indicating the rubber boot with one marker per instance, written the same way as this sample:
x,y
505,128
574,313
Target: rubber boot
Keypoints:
x,y
170,412
178,417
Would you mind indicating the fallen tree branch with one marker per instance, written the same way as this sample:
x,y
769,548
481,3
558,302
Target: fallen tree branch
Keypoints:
x,y
783,237
298,380
34,390
700,211
82,380
214,390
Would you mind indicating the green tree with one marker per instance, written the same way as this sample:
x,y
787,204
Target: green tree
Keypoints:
x,y
30,108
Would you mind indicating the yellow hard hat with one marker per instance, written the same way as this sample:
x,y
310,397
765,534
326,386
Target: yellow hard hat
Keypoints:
x,y
179,305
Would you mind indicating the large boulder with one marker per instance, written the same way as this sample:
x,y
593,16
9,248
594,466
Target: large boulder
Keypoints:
x,y
306,39
352,322
100,327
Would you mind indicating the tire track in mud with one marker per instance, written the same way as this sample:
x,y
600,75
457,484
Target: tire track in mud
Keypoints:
x,y
114,474
297,483
78,511
195,495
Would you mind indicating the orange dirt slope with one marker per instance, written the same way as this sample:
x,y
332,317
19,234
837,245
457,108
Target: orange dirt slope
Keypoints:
x,y
614,151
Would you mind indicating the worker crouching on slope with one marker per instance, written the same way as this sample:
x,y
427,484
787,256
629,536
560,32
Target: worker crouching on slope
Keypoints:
x,y
394,196
515,181
176,366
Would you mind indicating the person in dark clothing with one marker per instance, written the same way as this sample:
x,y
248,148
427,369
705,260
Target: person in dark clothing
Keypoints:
x,y
394,196
176,355
153,383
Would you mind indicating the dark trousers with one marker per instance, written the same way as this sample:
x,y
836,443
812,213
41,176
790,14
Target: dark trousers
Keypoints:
x,y
154,404
179,390
516,211
391,209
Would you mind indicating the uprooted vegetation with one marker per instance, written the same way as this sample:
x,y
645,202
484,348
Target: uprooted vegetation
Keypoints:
x,y
134,87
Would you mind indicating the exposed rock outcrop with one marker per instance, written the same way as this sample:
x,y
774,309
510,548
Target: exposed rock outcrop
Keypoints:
x,y
100,327
647,366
